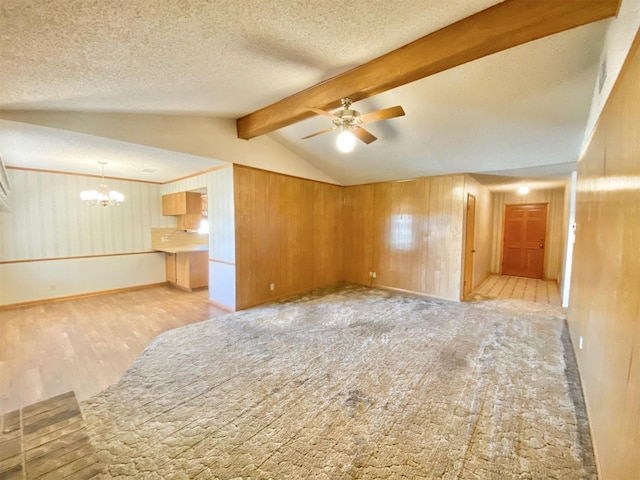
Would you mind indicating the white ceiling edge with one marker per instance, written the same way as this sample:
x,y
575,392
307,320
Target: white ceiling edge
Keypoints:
x,y
510,184
526,106
71,152
619,37
44,148
181,145
523,107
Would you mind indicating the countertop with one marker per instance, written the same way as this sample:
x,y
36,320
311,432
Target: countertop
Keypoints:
x,y
196,248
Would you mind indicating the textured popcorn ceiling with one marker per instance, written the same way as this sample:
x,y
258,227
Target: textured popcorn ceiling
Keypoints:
x,y
526,107
222,57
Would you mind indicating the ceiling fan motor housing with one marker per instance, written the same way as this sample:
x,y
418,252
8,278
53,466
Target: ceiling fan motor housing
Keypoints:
x,y
351,120
346,118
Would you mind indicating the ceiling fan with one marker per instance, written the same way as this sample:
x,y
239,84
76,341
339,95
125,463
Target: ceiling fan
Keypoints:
x,y
351,121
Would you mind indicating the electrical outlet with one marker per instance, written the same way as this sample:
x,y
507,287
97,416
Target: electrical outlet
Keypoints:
x,y
164,239
52,286
272,286
373,274
580,343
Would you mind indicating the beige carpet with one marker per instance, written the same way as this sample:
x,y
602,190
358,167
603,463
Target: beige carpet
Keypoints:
x,y
351,383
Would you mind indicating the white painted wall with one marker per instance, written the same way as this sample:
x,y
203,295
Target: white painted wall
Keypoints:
x,y
618,39
219,185
48,279
222,284
570,236
47,222
208,137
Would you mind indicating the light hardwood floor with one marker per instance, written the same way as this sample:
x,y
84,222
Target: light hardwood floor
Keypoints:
x,y
86,344
519,288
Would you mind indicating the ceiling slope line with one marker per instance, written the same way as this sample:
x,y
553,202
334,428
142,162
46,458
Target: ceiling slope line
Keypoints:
x,y
503,26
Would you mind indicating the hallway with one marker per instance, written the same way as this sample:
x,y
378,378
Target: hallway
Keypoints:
x,y
518,288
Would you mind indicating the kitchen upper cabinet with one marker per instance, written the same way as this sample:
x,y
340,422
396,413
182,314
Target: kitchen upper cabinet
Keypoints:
x,y
190,221
182,203
186,206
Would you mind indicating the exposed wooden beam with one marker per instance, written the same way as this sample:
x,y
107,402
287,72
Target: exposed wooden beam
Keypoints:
x,y
503,26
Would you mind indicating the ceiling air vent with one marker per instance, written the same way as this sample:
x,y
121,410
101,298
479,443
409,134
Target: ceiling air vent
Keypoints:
x,y
602,75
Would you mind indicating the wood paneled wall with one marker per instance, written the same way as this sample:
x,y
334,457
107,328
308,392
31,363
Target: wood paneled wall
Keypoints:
x,y
604,305
555,226
409,233
287,234
357,226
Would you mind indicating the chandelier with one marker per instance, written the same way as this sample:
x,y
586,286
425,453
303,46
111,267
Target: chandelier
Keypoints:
x,y
94,197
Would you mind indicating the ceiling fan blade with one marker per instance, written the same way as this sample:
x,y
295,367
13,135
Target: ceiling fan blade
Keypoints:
x,y
321,112
326,130
383,114
363,135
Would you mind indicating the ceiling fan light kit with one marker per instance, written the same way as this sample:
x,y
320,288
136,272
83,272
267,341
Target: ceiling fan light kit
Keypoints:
x,y
351,121
346,141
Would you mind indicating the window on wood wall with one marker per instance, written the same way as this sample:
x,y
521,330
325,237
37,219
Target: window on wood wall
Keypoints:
x,y
401,232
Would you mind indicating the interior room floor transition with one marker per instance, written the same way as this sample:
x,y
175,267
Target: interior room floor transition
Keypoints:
x,y
345,382
518,288
86,344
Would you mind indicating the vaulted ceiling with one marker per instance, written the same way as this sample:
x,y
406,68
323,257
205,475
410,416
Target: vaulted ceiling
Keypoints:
x,y
522,110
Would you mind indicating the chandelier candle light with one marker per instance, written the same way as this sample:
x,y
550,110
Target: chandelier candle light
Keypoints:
x,y
94,197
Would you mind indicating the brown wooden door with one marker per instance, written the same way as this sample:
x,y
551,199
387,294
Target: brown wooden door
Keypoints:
x,y
525,228
468,245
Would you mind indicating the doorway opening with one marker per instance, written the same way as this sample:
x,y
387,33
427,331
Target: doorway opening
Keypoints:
x,y
469,242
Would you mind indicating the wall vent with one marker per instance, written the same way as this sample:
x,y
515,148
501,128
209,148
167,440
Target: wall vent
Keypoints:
x,y
4,187
602,74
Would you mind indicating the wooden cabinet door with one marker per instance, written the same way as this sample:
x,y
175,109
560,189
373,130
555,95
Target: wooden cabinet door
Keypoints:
x,y
190,221
170,266
192,269
198,269
525,228
182,203
193,203
187,206
173,204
